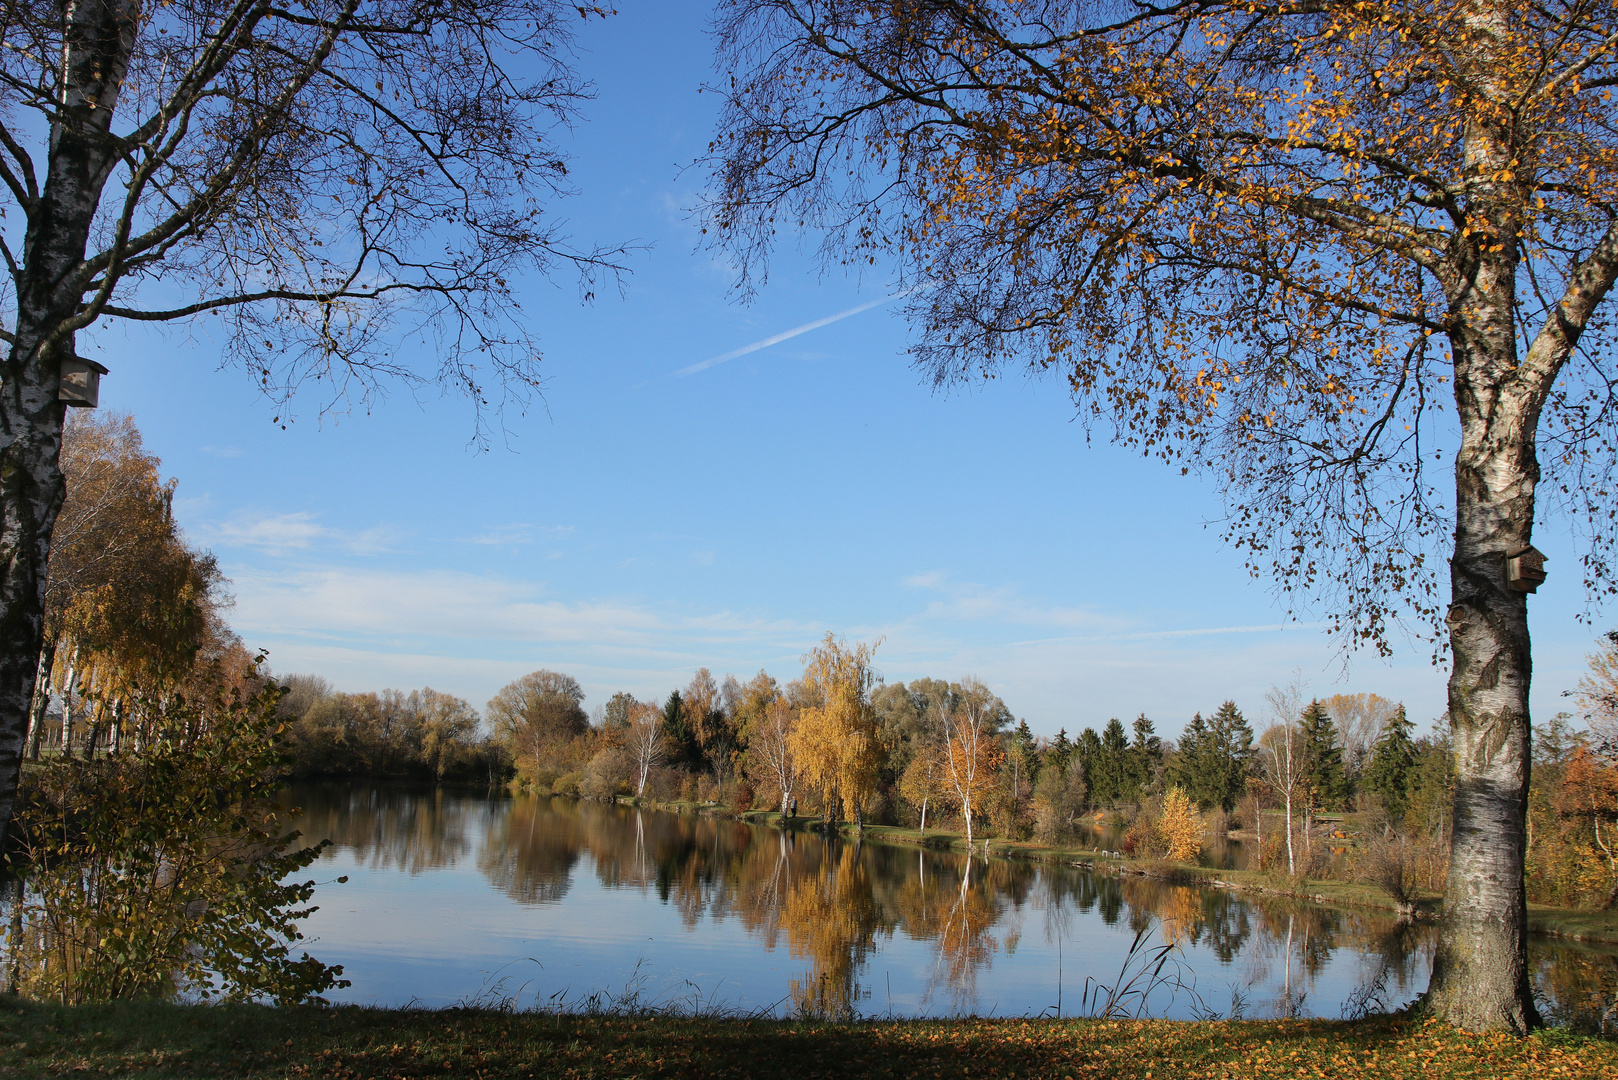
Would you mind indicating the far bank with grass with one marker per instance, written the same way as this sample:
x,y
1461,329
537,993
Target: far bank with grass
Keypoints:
x,y
1574,924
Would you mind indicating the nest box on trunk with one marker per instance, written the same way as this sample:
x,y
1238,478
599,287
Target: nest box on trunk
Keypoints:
x,y
1525,571
81,382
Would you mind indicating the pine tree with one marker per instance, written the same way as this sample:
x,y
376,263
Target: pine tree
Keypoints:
x,y
1026,744
1112,766
1393,760
683,747
1228,756
1186,768
1325,781
1145,755
1022,758
1059,753
1088,751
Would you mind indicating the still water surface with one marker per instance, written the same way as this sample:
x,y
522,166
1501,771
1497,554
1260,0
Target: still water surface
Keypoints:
x,y
456,898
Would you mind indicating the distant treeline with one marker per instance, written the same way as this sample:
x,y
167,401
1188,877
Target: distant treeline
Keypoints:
x,y
748,744
422,735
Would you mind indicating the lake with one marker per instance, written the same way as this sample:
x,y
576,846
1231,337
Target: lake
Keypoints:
x,y
456,897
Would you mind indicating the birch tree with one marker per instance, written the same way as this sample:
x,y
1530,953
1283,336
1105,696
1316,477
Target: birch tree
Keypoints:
x,y
972,753
1282,756
645,742
1324,252
770,750
922,783
1282,764
128,603
310,182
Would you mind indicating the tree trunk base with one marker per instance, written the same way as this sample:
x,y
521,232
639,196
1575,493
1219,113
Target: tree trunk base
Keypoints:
x,y
1480,979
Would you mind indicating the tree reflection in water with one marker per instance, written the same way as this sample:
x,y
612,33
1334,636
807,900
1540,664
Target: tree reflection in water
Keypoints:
x,y
834,904
409,829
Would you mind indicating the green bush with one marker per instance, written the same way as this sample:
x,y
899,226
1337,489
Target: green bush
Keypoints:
x,y
166,870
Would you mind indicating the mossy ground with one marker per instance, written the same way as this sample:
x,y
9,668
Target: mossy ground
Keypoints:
x,y
156,1041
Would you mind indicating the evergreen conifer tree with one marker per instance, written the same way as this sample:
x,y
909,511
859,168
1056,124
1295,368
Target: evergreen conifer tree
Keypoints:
x,y
1186,768
682,740
1228,756
1022,757
1112,768
1088,750
1145,755
1059,752
1325,780
1025,741
1393,760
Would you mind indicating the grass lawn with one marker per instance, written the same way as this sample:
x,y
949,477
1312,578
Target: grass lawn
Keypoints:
x,y
156,1040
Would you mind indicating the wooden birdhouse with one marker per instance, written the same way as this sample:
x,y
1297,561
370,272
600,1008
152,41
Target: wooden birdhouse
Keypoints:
x,y
81,382
1525,571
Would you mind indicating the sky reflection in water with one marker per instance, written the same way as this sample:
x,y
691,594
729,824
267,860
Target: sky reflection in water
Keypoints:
x,y
454,898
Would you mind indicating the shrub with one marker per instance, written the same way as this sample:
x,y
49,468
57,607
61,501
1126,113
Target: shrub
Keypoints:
x,y
663,783
166,869
1386,862
568,784
1180,828
1143,840
608,774
1009,817
1058,801
541,778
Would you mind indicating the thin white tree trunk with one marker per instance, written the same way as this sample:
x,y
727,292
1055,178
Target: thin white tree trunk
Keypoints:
x,y
1292,865
1258,828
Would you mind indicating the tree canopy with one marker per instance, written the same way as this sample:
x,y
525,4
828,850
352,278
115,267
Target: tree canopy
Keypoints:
x,y
1294,246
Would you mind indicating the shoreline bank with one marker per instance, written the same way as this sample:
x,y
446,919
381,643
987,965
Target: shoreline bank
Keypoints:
x,y
1593,927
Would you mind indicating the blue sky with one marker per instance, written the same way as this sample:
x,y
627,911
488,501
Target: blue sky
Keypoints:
x,y
660,512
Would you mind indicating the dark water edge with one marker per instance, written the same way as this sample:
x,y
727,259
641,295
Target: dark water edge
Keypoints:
x,y
459,897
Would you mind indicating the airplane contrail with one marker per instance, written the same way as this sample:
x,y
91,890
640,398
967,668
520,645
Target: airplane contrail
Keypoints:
x,y
776,339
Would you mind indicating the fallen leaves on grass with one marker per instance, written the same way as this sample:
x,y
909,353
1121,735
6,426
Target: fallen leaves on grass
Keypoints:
x,y
157,1042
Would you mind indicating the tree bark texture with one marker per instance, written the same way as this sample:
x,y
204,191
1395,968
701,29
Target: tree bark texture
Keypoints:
x,y
42,699
1480,972
1480,976
99,35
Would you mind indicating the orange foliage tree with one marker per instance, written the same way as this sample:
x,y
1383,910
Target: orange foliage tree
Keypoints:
x,y
1180,825
836,741
129,605
1588,793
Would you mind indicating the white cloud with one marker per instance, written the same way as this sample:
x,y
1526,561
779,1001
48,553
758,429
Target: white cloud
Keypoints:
x,y
968,602
470,633
281,534
503,536
268,532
